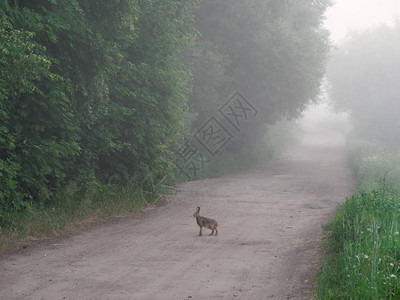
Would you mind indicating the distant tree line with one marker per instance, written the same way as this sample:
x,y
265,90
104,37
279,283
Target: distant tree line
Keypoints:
x,y
100,91
364,76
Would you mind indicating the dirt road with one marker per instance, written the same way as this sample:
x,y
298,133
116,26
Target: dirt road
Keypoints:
x,y
269,243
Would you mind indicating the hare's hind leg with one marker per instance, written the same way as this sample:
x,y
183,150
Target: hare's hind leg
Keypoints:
x,y
212,232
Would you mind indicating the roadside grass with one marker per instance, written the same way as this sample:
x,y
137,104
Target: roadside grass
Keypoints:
x,y
365,249
69,211
362,258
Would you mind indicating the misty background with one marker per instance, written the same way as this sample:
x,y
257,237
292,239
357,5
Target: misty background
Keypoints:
x,y
367,20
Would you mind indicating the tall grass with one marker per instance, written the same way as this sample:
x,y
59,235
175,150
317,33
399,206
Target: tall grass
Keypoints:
x,y
365,244
363,252
70,210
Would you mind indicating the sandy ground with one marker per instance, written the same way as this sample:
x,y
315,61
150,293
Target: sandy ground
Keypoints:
x,y
269,243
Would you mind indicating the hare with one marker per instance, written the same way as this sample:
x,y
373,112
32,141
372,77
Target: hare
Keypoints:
x,y
205,222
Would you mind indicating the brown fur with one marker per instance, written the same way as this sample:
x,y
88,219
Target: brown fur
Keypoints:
x,y
205,222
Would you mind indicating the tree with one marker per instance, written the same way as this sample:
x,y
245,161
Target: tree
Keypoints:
x,y
364,77
90,92
273,52
36,128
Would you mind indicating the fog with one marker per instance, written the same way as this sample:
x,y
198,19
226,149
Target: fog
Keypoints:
x,y
321,117
362,97
351,15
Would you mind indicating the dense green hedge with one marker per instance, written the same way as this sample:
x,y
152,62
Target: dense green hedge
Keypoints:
x,y
89,91
101,91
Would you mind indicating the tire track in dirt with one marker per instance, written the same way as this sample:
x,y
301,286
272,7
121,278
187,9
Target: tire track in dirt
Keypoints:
x,y
269,244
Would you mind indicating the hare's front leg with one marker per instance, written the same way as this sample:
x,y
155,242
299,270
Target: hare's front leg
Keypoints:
x,y
216,231
200,233
212,232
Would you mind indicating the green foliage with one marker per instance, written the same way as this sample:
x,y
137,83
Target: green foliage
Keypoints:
x,y
363,261
32,100
365,239
273,52
364,80
90,93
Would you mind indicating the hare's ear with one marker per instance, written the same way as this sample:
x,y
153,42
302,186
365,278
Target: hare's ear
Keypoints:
x,y
198,208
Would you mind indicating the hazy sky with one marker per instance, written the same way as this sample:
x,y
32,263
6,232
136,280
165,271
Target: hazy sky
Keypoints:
x,y
348,15
343,17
